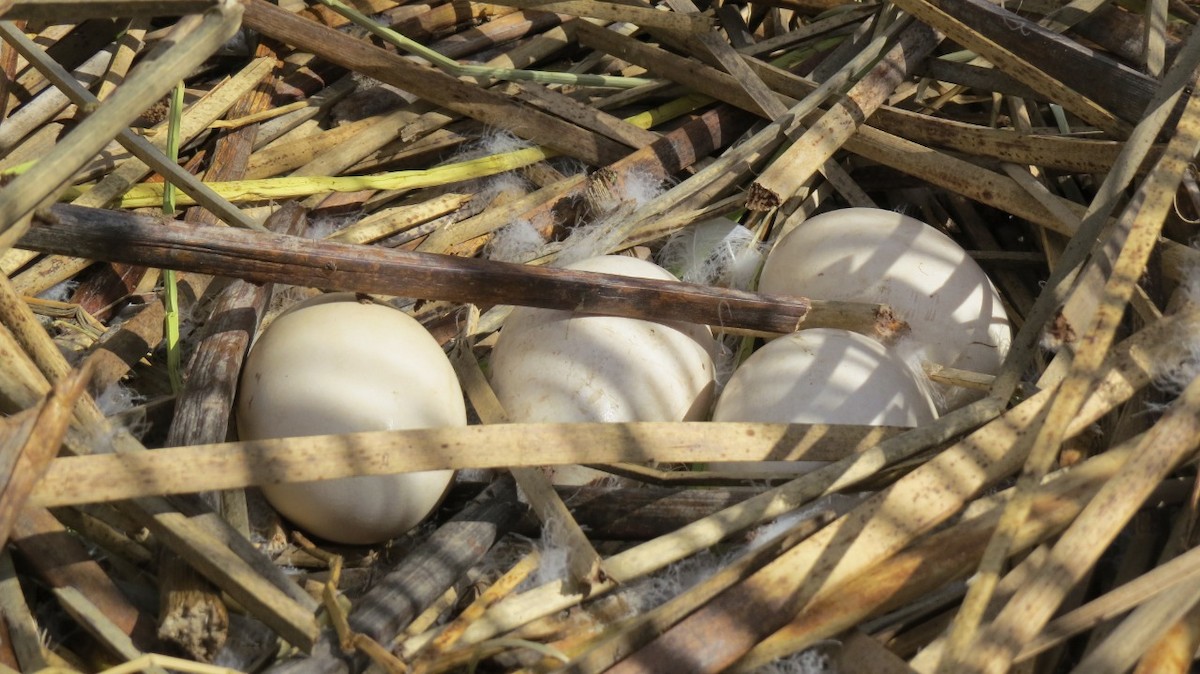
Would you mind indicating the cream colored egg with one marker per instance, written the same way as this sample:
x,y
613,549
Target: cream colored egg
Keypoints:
x,y
336,365
874,255
556,366
823,376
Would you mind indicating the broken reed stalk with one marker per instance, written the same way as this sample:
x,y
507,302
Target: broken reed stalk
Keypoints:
x,y
199,37
192,615
584,565
882,525
1092,277
675,151
1081,305
179,470
261,258
30,442
822,139
641,629
931,562
218,552
1166,445
1126,644
150,154
430,84
1143,218
1016,66
708,531
119,349
439,562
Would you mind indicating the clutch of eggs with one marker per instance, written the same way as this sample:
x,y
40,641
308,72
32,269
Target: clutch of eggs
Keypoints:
x,y
558,366
334,365
874,255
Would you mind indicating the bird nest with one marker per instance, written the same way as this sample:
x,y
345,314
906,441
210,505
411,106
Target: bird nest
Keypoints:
x,y
169,186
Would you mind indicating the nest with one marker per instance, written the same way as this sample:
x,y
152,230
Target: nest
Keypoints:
x,y
448,158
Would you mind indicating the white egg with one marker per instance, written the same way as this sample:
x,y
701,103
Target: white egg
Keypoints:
x,y
556,366
874,255
823,376
336,365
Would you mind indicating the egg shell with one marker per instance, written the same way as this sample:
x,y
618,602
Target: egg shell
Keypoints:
x,y
875,255
823,376
556,366
336,365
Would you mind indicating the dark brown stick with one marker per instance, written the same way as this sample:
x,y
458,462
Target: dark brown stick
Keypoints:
x,y
46,10
262,258
1119,89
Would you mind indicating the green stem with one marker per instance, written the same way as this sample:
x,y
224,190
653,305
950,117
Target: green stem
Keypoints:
x,y
170,290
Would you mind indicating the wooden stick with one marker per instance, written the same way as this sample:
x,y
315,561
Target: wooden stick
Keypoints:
x,y
50,10
264,257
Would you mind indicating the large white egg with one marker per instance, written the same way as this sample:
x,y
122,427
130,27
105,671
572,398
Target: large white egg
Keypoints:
x,y
874,255
557,366
823,376
336,365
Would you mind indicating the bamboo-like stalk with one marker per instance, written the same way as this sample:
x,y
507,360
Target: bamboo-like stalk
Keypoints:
x,y
33,439
823,138
1170,441
429,84
22,629
198,38
884,524
931,562
1167,576
211,467
1143,219
1138,632
485,73
583,562
1018,67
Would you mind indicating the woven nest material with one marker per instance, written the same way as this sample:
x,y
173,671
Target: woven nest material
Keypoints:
x,y
168,186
